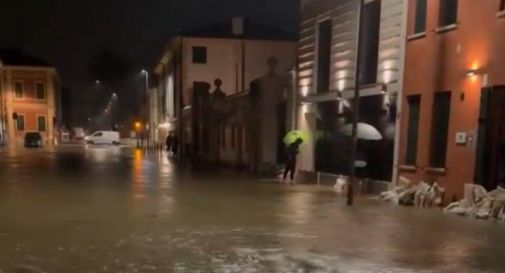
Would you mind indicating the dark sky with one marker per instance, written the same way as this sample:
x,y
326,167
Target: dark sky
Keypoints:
x,y
68,33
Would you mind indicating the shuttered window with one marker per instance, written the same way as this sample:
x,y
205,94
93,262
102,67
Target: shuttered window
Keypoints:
x,y
324,56
420,19
448,12
440,129
414,103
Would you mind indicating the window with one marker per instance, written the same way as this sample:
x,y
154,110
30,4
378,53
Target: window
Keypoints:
x,y
18,89
41,123
41,91
420,19
502,5
369,45
414,103
448,12
199,55
324,56
98,134
440,129
20,123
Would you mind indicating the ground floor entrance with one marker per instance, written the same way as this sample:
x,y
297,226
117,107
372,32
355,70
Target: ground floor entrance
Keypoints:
x,y
490,163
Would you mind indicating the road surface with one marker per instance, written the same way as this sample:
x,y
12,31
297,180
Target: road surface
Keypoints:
x,y
106,209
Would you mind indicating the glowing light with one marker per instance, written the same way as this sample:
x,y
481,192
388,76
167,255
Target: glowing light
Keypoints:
x,y
342,74
387,74
341,85
475,65
304,87
305,108
166,126
304,90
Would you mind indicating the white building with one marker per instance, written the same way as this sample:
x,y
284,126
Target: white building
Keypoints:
x,y
234,52
326,78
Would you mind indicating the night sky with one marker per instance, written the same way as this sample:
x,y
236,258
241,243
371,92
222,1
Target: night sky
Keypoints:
x,y
69,33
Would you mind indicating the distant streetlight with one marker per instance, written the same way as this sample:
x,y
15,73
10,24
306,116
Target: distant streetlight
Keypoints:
x,y
138,125
147,78
98,82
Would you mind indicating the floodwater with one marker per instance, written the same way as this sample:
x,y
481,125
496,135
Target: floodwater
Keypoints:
x,y
119,210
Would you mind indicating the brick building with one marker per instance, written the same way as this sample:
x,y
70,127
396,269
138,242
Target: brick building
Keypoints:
x,y
29,97
453,125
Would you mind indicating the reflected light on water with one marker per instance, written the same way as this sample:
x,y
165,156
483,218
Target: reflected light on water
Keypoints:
x,y
298,207
138,176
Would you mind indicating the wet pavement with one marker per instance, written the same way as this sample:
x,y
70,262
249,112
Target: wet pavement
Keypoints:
x,y
118,210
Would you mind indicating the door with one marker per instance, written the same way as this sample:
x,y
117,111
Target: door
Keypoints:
x,y
490,163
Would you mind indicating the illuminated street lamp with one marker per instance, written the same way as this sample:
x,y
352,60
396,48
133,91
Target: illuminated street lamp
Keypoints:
x,y
144,72
138,126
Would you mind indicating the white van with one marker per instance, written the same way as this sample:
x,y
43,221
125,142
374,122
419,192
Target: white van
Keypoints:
x,y
103,137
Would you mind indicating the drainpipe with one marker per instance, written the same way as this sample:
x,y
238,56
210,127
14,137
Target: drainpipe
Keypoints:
x,y
399,98
355,112
2,114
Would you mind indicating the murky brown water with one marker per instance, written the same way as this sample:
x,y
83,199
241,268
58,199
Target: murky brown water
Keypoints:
x,y
118,210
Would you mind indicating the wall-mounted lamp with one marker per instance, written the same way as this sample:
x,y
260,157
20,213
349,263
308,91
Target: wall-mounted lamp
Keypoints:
x,y
471,73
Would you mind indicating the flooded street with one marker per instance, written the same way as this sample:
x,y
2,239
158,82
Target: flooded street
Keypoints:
x,y
118,210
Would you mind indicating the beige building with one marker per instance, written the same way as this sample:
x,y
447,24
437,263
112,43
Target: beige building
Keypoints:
x,y
28,98
237,53
327,61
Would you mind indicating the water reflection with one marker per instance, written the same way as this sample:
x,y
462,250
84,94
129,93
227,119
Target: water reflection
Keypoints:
x,y
137,213
138,182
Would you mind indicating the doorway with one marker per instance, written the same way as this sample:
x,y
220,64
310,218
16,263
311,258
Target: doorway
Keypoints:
x,y
490,163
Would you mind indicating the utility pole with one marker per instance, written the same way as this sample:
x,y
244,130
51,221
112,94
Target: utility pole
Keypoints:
x,y
355,112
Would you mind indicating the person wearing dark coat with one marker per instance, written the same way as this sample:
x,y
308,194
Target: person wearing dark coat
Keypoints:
x,y
169,142
175,145
291,155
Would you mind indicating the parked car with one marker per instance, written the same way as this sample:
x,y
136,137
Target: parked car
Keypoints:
x,y
33,140
103,137
79,133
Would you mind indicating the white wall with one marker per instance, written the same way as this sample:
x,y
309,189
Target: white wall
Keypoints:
x,y
224,61
258,53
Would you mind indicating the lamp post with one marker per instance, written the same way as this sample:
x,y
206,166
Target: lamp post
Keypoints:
x,y
144,72
355,112
2,115
145,102
138,126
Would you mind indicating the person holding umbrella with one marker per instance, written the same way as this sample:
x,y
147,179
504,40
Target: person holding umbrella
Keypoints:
x,y
292,151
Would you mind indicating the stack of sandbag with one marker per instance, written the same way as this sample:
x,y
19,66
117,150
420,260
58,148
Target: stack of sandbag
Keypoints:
x,y
399,192
479,203
420,195
428,196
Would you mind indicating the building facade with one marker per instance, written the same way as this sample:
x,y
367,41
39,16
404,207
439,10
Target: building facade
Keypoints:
x,y
327,61
453,130
29,98
234,53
